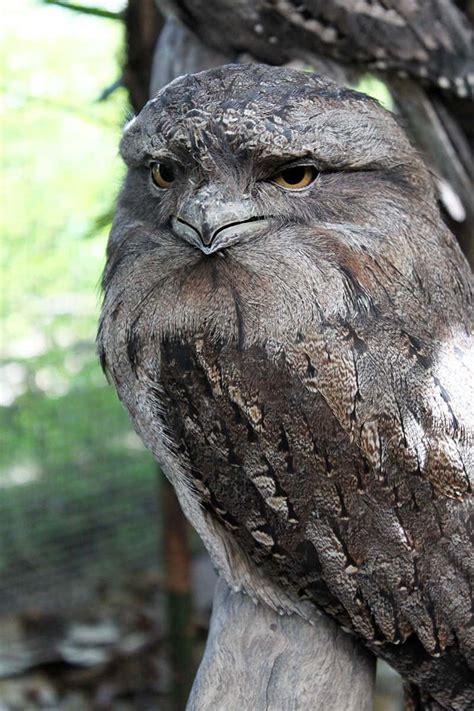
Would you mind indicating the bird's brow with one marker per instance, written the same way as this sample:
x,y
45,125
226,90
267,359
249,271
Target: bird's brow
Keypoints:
x,y
268,161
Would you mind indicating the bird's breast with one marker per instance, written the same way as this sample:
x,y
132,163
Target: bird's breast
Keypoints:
x,y
257,451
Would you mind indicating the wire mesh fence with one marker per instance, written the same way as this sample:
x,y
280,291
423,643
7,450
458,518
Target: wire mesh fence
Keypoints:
x,y
79,521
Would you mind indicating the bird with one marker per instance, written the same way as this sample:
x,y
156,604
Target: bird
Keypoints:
x,y
430,40
288,321
423,50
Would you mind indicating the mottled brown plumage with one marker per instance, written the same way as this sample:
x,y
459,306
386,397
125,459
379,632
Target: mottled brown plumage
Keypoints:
x,y
300,362
431,40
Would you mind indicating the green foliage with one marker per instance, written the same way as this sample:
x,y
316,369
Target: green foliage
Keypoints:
x,y
60,165
86,9
377,89
77,488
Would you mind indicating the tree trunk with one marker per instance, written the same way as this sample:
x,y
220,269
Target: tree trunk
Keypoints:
x,y
256,659
143,24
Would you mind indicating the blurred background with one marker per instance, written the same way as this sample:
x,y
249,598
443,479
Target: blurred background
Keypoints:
x,y
105,594
80,584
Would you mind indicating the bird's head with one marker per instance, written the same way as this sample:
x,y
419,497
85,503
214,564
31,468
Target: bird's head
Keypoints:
x,y
271,184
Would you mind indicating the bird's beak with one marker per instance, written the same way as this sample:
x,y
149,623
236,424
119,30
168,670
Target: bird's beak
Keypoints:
x,y
210,223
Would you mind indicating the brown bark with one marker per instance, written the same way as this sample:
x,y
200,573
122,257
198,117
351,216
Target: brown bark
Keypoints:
x,y
177,566
143,24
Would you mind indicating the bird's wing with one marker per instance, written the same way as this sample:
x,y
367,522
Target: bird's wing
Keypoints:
x,y
407,406
428,39
431,40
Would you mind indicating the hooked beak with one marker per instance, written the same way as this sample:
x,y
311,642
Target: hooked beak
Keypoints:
x,y
208,222
210,240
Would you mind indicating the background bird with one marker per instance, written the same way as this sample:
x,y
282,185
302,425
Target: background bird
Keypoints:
x,y
423,50
287,319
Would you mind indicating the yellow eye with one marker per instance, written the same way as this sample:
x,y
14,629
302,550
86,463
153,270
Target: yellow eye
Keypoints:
x,y
162,175
296,177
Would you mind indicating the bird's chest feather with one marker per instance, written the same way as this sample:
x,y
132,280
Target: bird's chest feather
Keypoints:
x,y
269,462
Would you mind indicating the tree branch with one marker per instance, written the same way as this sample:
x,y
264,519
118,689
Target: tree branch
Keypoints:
x,y
86,9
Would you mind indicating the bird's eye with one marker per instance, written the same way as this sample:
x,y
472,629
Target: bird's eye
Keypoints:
x,y
162,175
296,177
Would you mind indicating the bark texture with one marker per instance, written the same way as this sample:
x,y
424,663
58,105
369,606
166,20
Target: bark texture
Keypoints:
x,y
256,659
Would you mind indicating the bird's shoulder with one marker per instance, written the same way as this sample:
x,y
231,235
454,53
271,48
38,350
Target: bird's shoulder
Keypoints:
x,y
406,401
